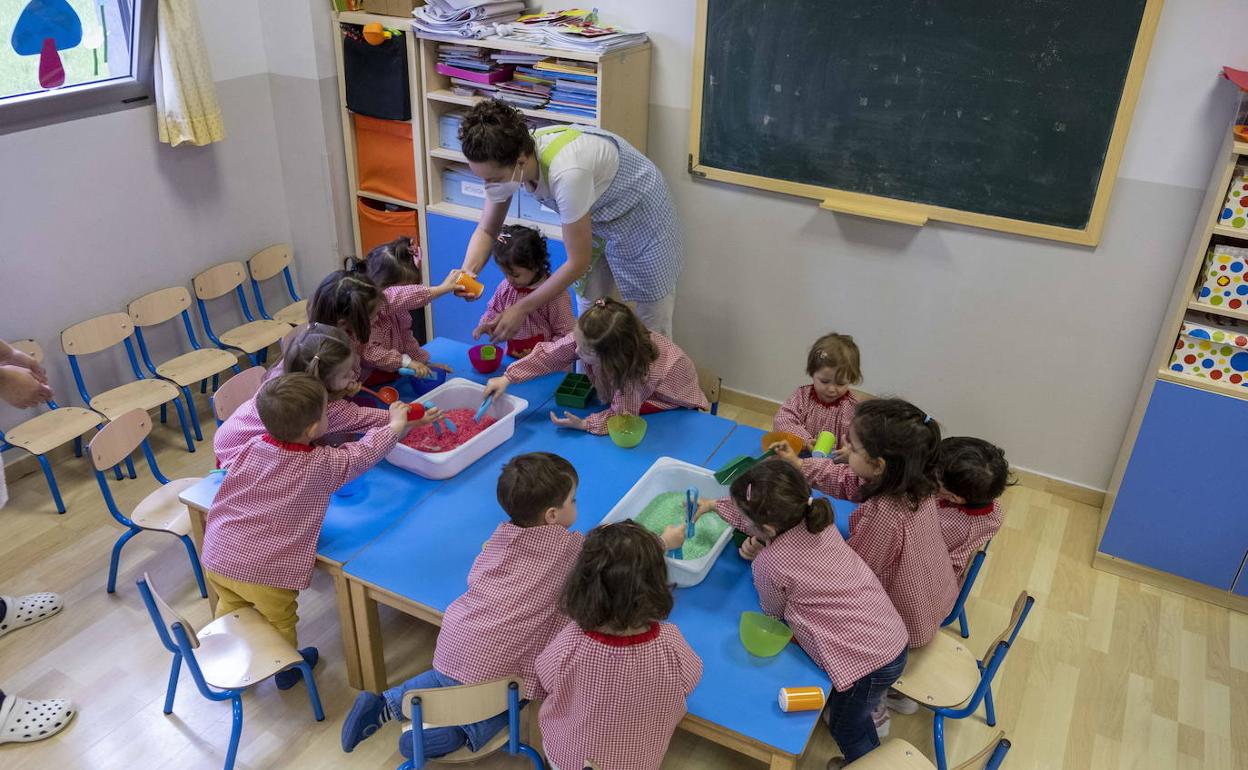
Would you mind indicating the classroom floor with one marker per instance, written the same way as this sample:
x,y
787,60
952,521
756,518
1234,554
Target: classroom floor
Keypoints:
x,y
1108,673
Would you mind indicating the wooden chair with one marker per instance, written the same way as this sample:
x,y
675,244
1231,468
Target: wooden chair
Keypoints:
x,y
266,264
445,706
101,333
945,676
45,432
710,382
896,754
185,370
230,654
971,572
236,391
161,510
252,337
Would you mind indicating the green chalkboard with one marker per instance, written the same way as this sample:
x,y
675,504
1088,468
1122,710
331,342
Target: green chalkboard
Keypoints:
x,y
1001,108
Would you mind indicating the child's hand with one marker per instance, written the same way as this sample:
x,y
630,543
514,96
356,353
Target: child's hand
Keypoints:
x,y
673,536
496,386
568,420
398,418
786,453
705,506
448,283
441,367
352,389
840,456
751,548
419,370
431,415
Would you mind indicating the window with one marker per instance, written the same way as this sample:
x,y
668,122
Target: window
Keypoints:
x,y
67,59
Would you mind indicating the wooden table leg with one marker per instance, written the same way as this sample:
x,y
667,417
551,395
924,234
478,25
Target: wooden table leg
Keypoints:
x,y
346,619
197,516
368,637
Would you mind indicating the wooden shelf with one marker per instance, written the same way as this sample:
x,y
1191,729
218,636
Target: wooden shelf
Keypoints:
x,y
389,22
1201,383
503,44
445,95
449,209
1241,148
1238,233
1225,312
445,154
387,199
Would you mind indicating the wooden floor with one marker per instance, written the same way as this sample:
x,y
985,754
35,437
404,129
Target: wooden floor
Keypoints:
x,y
1108,673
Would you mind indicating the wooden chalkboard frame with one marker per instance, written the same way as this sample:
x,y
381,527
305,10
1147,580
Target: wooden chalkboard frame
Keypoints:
x,y
917,214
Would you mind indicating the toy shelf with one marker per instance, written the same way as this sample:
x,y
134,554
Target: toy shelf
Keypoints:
x,y
1200,383
386,199
1225,312
1237,233
444,95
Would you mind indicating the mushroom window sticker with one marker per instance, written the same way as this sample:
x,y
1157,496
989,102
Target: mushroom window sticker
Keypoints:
x,y
47,27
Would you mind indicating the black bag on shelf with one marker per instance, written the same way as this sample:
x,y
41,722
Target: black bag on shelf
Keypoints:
x,y
376,76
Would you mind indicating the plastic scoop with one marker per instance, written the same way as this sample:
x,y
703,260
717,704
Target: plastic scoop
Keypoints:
x,y
691,508
733,469
389,395
437,425
484,406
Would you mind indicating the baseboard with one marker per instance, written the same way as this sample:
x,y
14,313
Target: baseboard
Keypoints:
x,y
17,467
1026,477
1168,582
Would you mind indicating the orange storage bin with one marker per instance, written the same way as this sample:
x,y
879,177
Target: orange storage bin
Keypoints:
x,y
378,226
383,156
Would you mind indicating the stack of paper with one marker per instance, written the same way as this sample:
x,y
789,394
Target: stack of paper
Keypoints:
x,y
472,64
590,37
465,18
575,88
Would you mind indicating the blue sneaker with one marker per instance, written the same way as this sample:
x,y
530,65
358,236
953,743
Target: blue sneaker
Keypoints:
x,y
368,713
292,676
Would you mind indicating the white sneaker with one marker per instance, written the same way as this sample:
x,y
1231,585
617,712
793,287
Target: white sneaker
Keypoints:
x,y
900,703
881,719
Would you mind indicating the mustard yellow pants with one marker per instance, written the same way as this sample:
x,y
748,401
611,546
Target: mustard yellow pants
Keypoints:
x,y
279,606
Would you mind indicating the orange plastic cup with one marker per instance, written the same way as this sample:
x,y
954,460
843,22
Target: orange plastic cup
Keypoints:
x,y
469,283
801,698
778,435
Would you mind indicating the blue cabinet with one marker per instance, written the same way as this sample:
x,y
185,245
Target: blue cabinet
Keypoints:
x,y
448,240
1182,504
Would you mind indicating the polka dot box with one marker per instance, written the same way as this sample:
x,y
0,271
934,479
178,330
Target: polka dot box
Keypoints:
x,y
1226,278
1235,210
1215,353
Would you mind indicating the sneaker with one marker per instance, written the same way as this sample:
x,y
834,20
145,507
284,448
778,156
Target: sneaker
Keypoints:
x,y
900,703
291,676
369,713
881,719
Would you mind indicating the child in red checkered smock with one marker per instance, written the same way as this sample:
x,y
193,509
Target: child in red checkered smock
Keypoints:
x,y
972,474
827,403
808,577
394,268
509,612
324,352
522,256
895,529
639,371
616,678
349,300
262,529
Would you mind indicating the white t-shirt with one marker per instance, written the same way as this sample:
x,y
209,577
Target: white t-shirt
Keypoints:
x,y
579,174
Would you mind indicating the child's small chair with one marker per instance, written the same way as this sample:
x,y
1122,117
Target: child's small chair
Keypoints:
x,y
945,677
710,383
253,337
45,432
971,572
227,656
896,754
187,369
160,511
236,391
266,264
101,333
446,706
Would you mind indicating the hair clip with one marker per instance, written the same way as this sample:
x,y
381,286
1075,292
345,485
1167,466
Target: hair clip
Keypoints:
x,y
503,237
749,489
810,501
927,418
600,302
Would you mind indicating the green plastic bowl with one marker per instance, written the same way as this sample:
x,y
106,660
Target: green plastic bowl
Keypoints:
x,y
626,430
763,635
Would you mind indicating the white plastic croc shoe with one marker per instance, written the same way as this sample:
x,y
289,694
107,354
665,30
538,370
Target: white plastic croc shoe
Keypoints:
x,y
21,611
24,721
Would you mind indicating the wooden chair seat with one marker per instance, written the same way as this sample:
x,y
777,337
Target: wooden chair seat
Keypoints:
x,y
944,673
466,754
294,314
242,648
162,510
892,754
43,433
190,368
254,336
140,394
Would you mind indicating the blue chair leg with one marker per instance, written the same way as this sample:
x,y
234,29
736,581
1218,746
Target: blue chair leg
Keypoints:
x,y
216,379
164,413
236,727
314,695
112,564
938,740
130,468
78,447
186,429
56,493
963,625
532,754
190,407
199,571
990,709
172,689
117,470
203,386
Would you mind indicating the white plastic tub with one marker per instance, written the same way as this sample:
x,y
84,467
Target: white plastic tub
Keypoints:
x,y
459,393
672,475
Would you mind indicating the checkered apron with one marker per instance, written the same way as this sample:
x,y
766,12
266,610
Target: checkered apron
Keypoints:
x,y
634,220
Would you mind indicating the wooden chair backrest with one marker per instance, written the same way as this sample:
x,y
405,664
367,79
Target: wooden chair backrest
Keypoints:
x,y
445,706
980,760
30,348
1016,617
267,263
236,391
169,616
159,306
96,334
118,439
217,281
710,383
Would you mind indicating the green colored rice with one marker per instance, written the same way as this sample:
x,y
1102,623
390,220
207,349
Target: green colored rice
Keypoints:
x,y
668,509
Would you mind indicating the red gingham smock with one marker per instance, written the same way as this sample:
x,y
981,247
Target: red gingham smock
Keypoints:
x,y
510,611
803,414
391,333
549,322
904,548
615,700
965,529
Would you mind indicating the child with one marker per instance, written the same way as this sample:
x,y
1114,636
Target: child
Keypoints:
x,y
616,678
808,577
896,529
325,352
826,403
349,300
394,268
972,474
521,254
640,371
262,529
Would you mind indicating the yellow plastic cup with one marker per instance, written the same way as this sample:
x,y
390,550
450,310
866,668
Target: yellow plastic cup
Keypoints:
x,y
763,635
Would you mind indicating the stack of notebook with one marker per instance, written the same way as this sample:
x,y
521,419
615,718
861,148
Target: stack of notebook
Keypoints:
x,y
575,88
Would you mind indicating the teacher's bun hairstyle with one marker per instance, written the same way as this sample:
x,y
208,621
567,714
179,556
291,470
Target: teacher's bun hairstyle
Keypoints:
x,y
495,132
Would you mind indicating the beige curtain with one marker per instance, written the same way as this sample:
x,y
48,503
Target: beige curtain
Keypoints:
x,y
186,98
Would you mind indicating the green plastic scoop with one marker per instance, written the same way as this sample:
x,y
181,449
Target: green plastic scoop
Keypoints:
x,y
733,469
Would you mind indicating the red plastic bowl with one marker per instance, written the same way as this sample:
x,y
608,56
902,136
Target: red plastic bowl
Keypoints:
x,y
483,365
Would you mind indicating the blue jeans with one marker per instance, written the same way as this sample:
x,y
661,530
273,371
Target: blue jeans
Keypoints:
x,y
849,712
440,741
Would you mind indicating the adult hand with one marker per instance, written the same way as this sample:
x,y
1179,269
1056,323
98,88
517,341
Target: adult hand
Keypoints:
x,y
22,388
506,325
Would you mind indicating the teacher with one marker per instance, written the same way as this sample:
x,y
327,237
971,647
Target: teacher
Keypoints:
x,y
619,225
